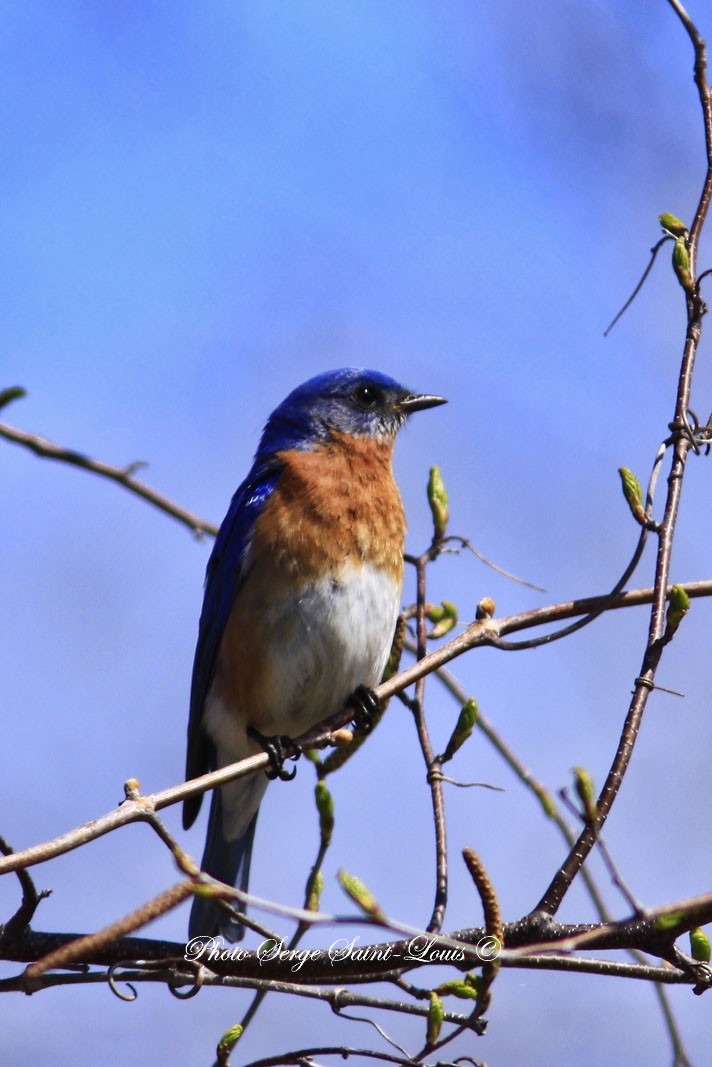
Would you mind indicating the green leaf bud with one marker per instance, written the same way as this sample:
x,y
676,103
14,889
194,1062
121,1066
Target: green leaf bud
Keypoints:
x,y
444,618
681,264
463,990
678,606
700,948
315,885
436,1014
673,225
583,784
633,493
547,802
325,807
437,498
361,895
227,1043
463,729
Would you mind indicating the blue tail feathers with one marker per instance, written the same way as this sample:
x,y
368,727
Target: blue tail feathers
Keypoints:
x,y
229,861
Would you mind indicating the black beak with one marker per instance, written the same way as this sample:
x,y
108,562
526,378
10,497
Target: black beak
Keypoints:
x,y
419,401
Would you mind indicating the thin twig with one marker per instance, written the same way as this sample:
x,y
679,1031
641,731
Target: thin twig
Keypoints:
x,y
653,253
123,476
436,790
705,97
30,897
465,543
303,1056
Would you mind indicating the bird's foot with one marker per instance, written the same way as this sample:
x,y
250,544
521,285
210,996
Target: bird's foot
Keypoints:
x,y
366,706
278,750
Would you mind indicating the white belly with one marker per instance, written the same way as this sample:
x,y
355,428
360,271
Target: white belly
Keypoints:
x,y
330,640
317,647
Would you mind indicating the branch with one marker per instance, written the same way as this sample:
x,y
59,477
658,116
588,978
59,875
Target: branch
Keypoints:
x,y
530,943
682,442
437,800
123,476
483,632
705,97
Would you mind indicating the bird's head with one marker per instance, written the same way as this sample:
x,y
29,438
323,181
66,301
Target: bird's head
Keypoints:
x,y
361,403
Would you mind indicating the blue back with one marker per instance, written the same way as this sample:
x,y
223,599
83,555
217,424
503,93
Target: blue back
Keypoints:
x,y
222,582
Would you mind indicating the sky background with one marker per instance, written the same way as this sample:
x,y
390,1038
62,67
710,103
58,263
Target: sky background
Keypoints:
x,y
205,204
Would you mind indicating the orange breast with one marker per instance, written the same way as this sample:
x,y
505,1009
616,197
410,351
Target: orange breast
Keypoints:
x,y
333,505
315,615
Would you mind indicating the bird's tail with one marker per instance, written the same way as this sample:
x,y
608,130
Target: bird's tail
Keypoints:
x,y
230,862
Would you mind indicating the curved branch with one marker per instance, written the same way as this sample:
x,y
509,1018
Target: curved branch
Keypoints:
x,y
123,476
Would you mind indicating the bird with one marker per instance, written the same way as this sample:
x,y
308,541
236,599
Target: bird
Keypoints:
x,y
301,599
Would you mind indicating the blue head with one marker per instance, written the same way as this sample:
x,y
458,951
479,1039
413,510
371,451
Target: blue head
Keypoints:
x,y
357,402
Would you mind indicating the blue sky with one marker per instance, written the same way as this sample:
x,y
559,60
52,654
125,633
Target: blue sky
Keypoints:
x,y
202,206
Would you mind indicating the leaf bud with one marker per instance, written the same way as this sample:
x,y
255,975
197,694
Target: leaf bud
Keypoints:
x,y
436,1014
437,498
463,729
673,225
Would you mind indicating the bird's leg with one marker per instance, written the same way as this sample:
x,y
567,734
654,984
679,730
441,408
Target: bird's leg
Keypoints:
x,y
278,749
366,706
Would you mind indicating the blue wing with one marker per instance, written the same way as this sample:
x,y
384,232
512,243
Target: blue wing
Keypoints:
x,y
224,576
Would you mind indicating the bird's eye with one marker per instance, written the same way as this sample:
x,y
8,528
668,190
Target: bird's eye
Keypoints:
x,y
367,396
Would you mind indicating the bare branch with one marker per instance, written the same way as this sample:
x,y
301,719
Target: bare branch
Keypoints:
x,y
123,476
665,532
483,632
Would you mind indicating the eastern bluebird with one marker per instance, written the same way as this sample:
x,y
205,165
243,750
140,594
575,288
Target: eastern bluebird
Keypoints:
x,y
302,594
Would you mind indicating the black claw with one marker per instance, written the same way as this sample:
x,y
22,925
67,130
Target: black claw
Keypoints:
x,y
366,705
278,749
